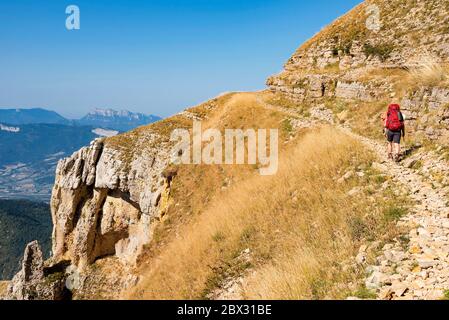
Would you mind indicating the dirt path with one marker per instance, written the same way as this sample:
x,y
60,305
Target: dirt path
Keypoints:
x,y
419,269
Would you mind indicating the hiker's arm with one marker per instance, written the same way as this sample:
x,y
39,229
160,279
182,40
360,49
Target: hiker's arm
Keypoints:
x,y
401,118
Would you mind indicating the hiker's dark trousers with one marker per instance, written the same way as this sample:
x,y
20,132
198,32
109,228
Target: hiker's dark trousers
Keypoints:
x,y
394,136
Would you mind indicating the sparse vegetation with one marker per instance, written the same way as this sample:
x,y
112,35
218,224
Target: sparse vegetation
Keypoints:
x,y
382,51
417,165
298,238
394,213
446,295
429,72
287,126
364,293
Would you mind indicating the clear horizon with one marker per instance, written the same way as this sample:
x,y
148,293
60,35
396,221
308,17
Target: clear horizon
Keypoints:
x,y
156,57
76,118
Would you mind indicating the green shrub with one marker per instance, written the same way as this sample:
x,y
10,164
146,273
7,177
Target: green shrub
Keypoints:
x,y
364,293
446,295
394,213
383,51
287,126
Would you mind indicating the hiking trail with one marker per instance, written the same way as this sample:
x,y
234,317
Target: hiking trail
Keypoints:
x,y
419,269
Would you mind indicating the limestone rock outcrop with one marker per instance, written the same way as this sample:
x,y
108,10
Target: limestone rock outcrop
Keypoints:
x,y
361,56
104,201
32,283
426,111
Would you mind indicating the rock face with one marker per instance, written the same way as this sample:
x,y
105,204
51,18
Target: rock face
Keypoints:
x,y
339,61
31,282
104,202
426,109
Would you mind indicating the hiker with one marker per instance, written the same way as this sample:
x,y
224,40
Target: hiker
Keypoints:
x,y
394,129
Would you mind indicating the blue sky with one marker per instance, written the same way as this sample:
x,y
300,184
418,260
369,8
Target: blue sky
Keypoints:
x,y
148,56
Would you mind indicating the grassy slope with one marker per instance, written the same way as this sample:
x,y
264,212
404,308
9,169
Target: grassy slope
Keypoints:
x,y
300,225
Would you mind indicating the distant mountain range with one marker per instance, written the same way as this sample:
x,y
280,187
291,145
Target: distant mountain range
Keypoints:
x,y
33,140
28,116
117,120
101,118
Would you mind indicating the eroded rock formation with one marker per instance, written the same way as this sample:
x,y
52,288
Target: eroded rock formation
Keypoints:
x,y
32,282
103,203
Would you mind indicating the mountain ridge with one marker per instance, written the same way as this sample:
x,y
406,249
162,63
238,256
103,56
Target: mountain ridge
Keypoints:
x,y
133,225
122,120
106,118
28,116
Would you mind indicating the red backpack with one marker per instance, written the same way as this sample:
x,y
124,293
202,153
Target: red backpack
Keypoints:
x,y
393,121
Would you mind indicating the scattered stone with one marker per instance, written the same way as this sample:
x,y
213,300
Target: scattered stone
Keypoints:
x,y
399,289
385,294
421,269
376,280
415,249
355,191
360,258
348,175
426,263
409,163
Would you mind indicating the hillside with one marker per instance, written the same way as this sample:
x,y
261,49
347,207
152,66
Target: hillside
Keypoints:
x,y
337,221
30,116
405,61
20,223
37,139
29,157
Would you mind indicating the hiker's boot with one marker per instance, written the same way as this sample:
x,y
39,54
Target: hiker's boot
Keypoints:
x,y
396,157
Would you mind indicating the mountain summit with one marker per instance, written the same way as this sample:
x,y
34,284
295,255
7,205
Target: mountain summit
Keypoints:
x,y
119,120
31,116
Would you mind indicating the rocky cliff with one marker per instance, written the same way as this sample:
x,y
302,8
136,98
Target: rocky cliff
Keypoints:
x,y
102,205
365,56
105,202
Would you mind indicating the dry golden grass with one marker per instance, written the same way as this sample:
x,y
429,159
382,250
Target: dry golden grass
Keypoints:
x,y
350,26
300,226
428,72
366,117
3,287
196,186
